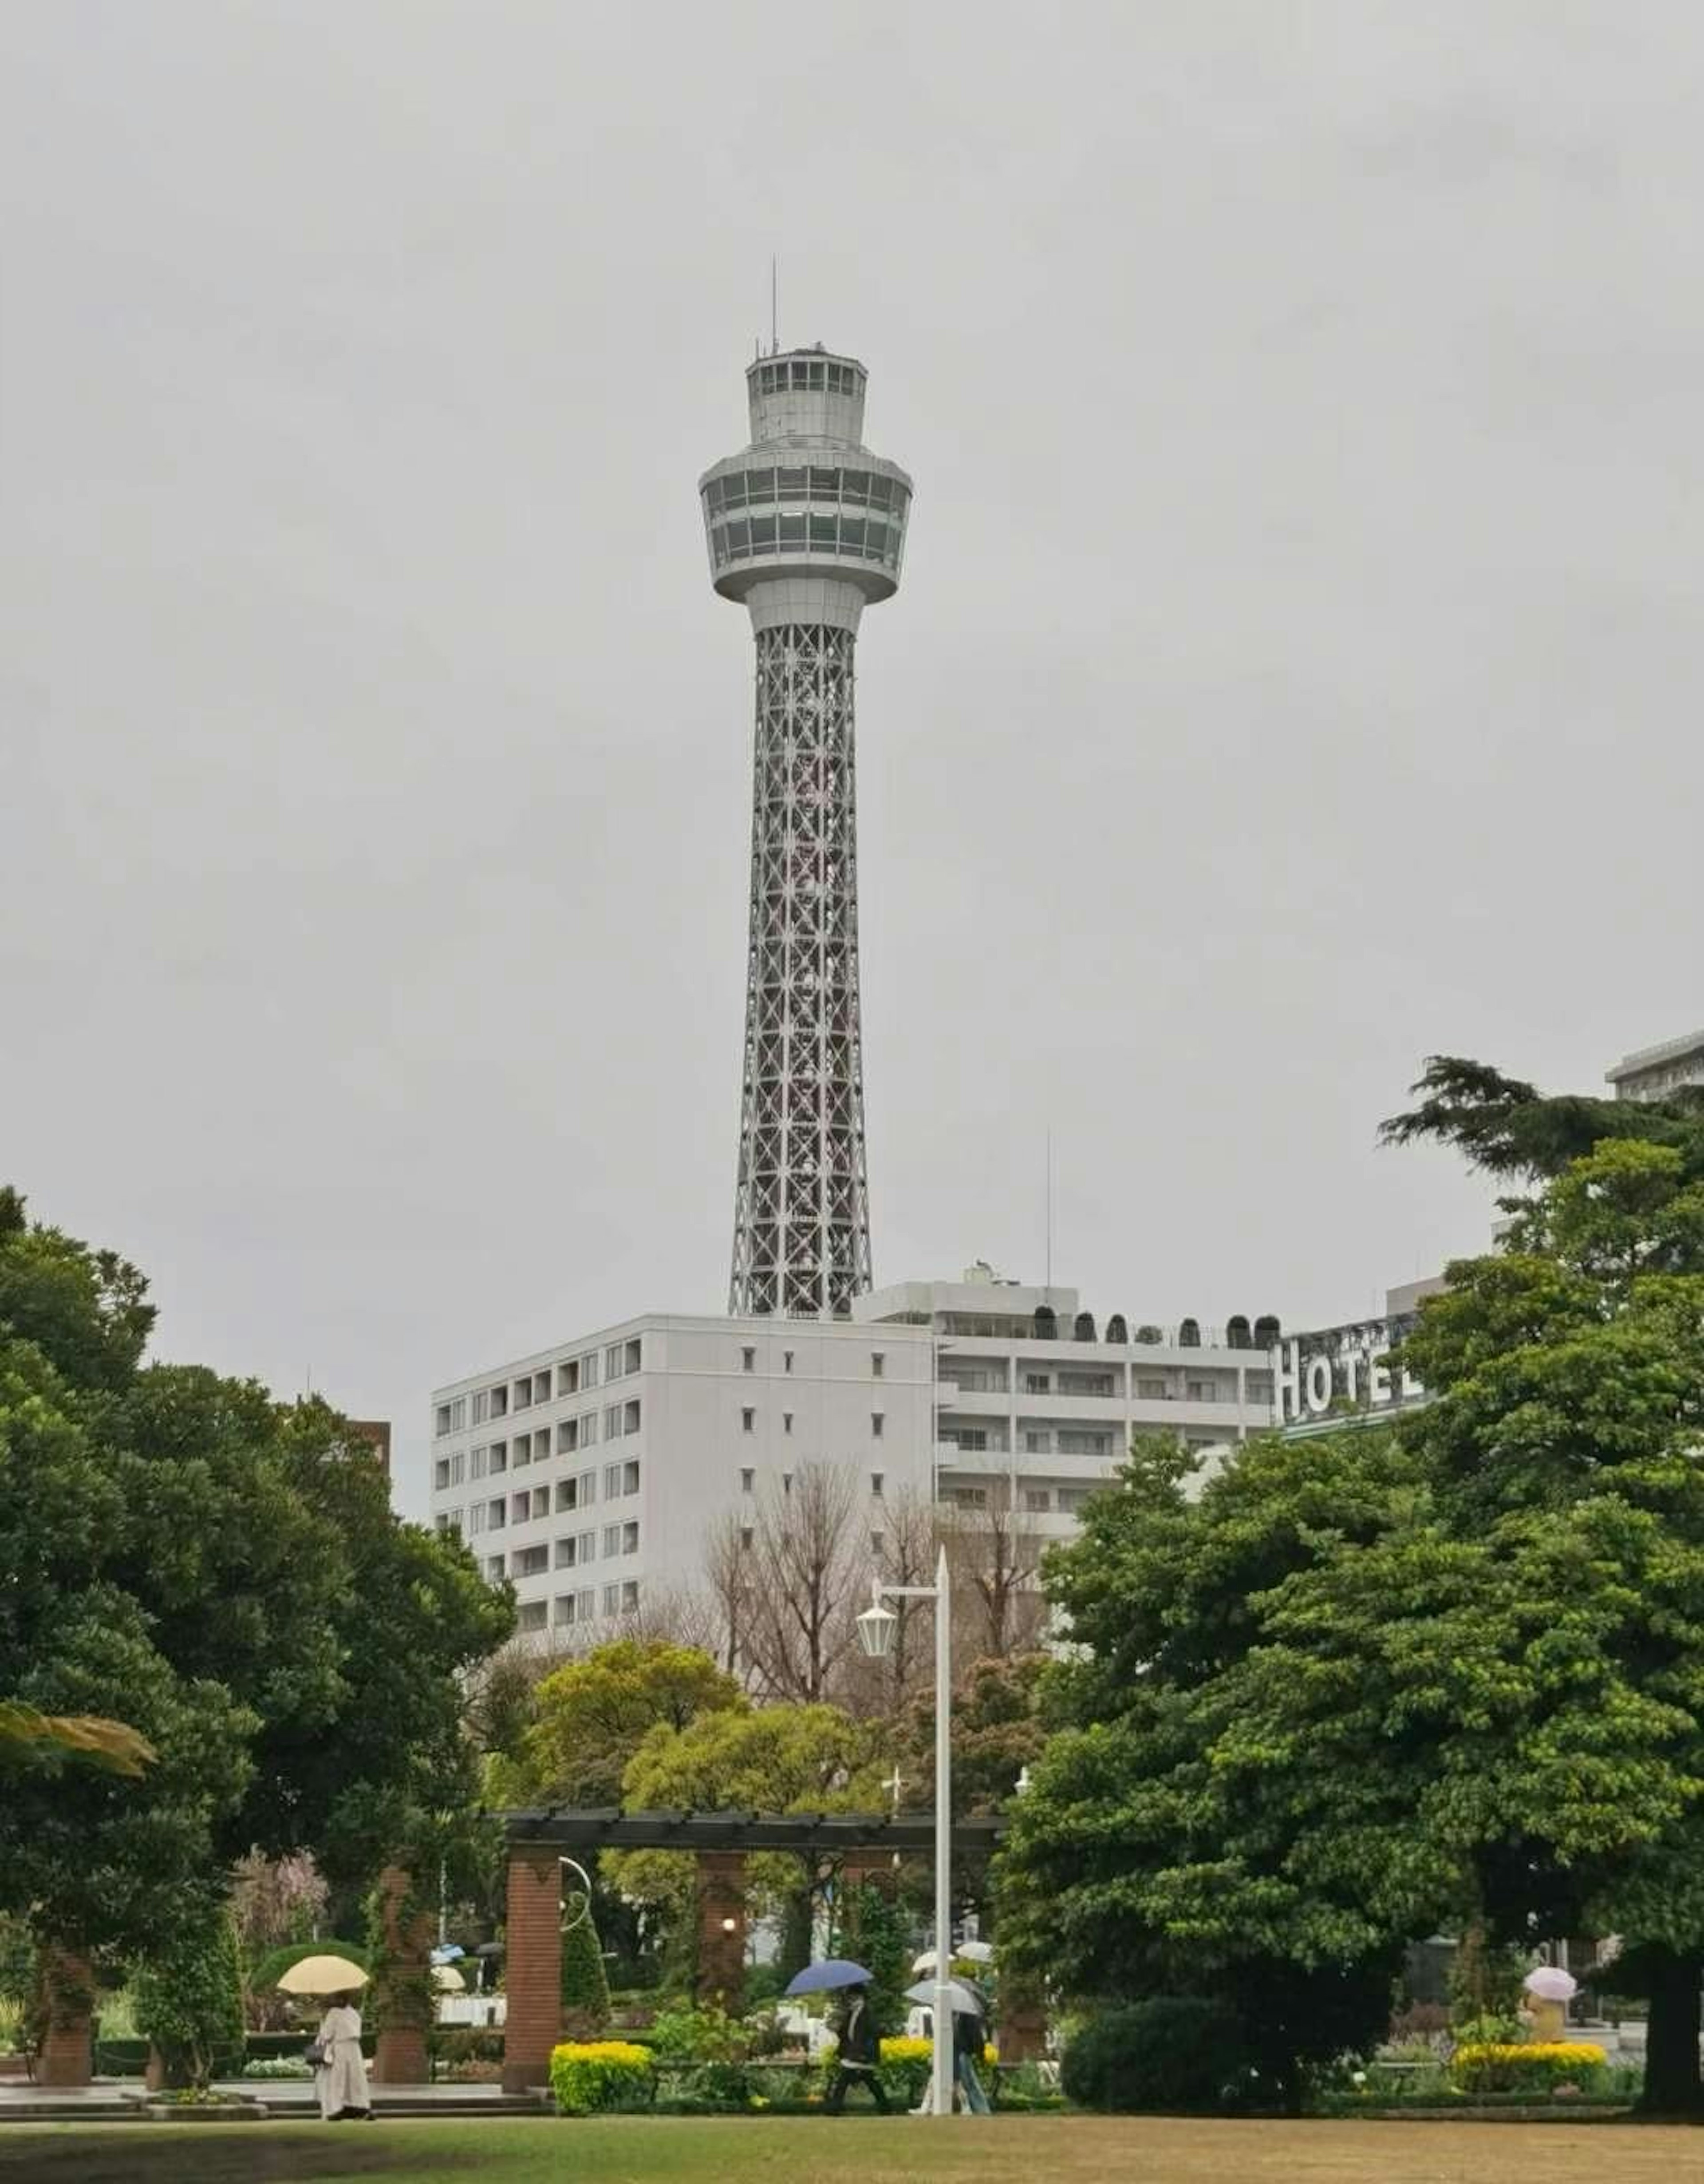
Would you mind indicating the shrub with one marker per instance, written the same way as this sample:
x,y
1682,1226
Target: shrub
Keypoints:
x,y
189,2000
585,1985
593,2077
1172,2055
1529,2066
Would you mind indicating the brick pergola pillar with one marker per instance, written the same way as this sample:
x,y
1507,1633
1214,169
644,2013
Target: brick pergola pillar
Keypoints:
x,y
404,2000
721,1929
532,1971
67,1988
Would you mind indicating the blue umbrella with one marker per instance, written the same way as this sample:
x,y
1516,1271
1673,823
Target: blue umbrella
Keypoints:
x,y
831,1973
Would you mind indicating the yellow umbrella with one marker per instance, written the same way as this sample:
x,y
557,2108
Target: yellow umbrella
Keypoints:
x,y
322,1976
447,1979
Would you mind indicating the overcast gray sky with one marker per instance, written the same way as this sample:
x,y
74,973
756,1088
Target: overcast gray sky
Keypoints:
x,y
1298,669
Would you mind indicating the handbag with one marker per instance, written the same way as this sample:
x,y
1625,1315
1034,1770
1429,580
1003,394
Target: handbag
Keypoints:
x,y
316,2054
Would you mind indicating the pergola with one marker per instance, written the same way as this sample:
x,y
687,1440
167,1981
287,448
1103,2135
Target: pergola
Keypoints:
x,y
721,1841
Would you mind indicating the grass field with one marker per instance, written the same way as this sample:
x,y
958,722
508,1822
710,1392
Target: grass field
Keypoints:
x,y
824,2150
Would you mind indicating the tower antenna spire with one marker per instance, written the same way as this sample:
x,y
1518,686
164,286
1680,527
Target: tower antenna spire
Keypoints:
x,y
774,332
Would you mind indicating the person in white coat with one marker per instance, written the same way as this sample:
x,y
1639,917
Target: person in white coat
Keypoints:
x,y
342,2073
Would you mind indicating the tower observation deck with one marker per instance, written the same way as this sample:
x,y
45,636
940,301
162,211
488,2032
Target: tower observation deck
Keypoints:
x,y
806,527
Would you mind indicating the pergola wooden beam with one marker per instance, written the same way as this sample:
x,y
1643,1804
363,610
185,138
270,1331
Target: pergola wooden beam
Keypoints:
x,y
828,1834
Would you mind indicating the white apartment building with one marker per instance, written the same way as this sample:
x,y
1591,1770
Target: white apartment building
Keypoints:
x,y
1655,1072
592,1475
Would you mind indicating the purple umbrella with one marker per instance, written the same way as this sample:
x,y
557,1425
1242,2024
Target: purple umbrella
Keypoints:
x,y
831,1973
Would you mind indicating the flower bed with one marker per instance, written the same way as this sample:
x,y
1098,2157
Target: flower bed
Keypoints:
x,y
1562,2067
601,2077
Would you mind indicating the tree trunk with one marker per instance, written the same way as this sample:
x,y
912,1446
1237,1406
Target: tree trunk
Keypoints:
x,y
1672,2085
797,1917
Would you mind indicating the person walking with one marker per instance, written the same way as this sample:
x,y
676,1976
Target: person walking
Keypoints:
x,y
340,2069
970,2037
860,2053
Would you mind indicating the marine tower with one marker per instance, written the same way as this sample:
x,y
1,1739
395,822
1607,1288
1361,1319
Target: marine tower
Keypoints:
x,y
806,528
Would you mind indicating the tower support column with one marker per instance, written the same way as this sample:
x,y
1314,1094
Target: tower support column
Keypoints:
x,y
802,1217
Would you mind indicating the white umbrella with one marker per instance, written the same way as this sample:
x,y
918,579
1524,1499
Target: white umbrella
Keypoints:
x,y
961,2000
967,1953
1551,1984
447,1979
322,1976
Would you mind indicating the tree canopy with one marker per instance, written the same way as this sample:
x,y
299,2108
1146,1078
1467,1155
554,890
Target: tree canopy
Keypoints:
x,y
1396,1678
223,1574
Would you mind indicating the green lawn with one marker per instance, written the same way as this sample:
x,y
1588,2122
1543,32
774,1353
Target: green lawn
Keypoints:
x,y
825,2150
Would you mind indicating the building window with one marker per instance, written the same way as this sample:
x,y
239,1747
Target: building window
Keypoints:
x,y
787,1361
747,1362
630,1537
878,1544
583,1603
499,1457
1073,1500
634,1353
630,1416
476,1462
523,1450
630,1475
786,1421
587,1481
878,1364
475,1517
1036,1498
612,1421
500,1402
612,1361
568,1377
440,1474
787,1482
1038,1384
968,1436
1085,1444
520,1508
612,1541
745,1539
877,1422
587,1546
1153,1391
612,1481
588,1369
612,1599
497,1512
565,1557
522,1393
747,1421
443,1425
1037,1443
748,1481
567,1495
630,1596
541,1501
530,1561
481,1407
877,1481
969,1497
562,1608
493,1570
530,1616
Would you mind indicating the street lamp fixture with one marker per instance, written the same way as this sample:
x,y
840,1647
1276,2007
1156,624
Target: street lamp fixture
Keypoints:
x,y
876,1627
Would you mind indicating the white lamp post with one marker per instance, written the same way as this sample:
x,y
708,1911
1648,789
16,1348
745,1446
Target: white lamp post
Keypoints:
x,y
876,1627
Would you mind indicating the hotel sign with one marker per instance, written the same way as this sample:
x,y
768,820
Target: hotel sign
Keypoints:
x,y
1343,1371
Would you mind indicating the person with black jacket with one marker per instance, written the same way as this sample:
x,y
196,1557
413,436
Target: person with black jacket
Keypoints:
x,y
860,2058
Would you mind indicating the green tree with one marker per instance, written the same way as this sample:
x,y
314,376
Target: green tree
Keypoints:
x,y
223,1574
590,1716
187,1993
1386,1680
776,1759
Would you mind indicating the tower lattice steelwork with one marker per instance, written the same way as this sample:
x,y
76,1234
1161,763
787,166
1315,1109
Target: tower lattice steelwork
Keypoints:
x,y
805,526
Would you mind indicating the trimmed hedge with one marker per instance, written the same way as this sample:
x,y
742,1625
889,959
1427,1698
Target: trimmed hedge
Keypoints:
x,y
597,2077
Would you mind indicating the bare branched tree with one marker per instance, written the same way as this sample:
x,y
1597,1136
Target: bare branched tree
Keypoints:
x,y
727,1571
910,1538
995,1558
809,1578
